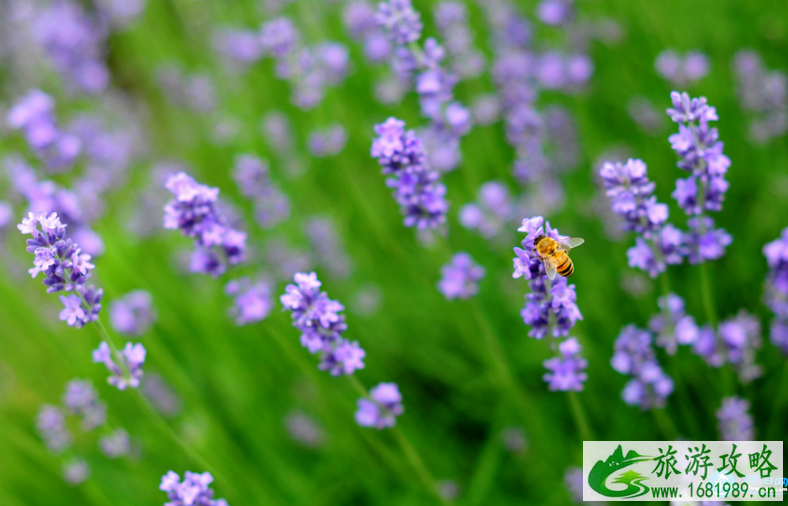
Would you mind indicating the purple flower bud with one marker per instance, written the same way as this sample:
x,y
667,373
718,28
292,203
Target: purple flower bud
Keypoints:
x,y
382,407
253,301
194,490
402,23
133,314
51,425
734,420
116,444
635,356
82,399
460,278
567,370
127,371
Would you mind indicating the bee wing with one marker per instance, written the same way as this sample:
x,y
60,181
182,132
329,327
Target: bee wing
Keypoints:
x,y
549,268
572,242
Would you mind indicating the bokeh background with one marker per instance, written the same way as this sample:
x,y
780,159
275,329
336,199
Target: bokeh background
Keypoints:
x,y
249,399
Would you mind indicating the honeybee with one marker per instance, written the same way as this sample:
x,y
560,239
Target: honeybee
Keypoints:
x,y
553,254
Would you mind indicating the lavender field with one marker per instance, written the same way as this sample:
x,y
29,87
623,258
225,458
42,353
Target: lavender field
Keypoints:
x,y
292,252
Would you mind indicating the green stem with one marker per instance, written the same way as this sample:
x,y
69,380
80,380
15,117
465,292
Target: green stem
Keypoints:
x,y
706,294
579,414
418,465
665,423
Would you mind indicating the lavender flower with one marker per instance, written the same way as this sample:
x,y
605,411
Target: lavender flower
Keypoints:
x,y
329,141
241,46
567,370
550,307
555,12
51,424
763,95
327,247
739,339
194,213
460,278
127,372
252,300
161,395
382,407
634,355
682,71
194,490
76,471
64,265
672,325
82,399
734,420
133,314
452,20
776,253
34,114
116,444
493,211
631,196
417,189
253,177
321,325
304,429
400,20
700,153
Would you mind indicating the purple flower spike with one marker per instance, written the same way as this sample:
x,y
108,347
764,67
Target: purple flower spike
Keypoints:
x,y
253,177
382,408
567,370
193,212
400,20
460,278
776,253
734,420
321,324
634,356
133,314
194,490
493,211
51,424
127,371
82,399
417,189
64,266
253,301
763,95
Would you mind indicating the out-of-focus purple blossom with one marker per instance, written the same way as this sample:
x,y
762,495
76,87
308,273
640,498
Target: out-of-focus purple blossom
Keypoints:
x,y
64,265
492,212
417,189
74,40
382,407
253,301
573,479
34,115
681,72
634,356
367,300
121,13
360,21
555,12
193,212
734,420
486,109
776,253
133,314
321,325
195,92
451,17
391,89
82,399
161,395
76,471
327,247
253,177
567,370
116,444
278,131
763,95
194,490
460,278
329,141
567,72
127,371
279,37
514,439
703,242
401,21
304,429
51,425
550,308
241,46
740,337
646,115
672,326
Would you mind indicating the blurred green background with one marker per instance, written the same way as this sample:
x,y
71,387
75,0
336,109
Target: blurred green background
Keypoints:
x,y
237,384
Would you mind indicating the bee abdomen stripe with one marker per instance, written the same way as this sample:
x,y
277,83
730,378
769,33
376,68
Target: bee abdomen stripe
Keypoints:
x,y
563,264
566,269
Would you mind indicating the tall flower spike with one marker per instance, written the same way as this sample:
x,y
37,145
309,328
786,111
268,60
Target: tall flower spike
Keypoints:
x,y
64,266
776,253
550,307
417,189
127,371
193,211
763,94
631,195
82,399
253,301
132,314
51,424
321,325
700,154
382,407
